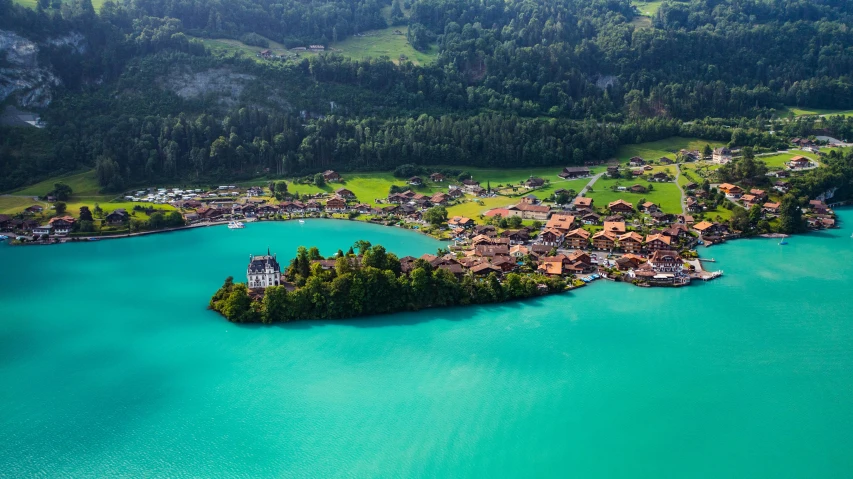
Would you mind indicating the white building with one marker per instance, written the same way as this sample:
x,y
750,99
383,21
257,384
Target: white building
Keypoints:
x,y
722,155
263,271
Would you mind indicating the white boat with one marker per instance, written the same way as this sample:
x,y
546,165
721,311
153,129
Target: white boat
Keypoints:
x,y
235,225
302,221
3,237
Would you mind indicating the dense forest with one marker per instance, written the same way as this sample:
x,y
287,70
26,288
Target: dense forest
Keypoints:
x,y
515,83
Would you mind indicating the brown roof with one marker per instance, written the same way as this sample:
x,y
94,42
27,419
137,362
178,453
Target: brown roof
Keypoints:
x,y
579,232
631,236
583,201
665,239
614,226
561,221
620,202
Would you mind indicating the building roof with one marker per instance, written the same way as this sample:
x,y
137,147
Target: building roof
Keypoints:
x,y
579,232
614,226
702,226
631,236
583,201
665,239
259,264
560,221
620,202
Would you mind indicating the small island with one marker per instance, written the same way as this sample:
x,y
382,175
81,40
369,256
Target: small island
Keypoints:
x,y
371,282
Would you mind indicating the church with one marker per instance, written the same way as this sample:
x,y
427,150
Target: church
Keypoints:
x,y
263,271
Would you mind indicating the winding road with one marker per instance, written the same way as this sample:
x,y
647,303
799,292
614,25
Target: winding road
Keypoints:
x,y
588,186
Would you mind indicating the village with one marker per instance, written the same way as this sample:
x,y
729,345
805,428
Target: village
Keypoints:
x,y
567,234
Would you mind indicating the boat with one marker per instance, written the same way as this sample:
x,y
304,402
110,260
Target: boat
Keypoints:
x,y
783,243
92,239
3,237
235,225
302,221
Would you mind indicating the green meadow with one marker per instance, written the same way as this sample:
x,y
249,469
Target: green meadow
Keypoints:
x,y
384,43
668,147
32,3
665,195
778,161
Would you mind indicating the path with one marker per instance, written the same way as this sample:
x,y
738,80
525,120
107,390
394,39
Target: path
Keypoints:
x,y
680,189
588,185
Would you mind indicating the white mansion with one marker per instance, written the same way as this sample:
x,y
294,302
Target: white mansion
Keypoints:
x,y
263,271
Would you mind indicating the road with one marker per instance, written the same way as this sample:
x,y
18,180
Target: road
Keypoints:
x,y
588,185
680,189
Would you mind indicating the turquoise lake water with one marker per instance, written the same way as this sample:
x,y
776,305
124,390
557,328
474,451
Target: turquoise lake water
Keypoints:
x,y
111,366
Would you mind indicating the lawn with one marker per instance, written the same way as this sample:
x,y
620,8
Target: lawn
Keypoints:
x,y
805,111
384,43
778,161
15,204
665,195
648,9
653,150
227,46
81,183
474,207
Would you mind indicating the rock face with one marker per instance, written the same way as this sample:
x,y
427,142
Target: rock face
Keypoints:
x,y
225,84
21,74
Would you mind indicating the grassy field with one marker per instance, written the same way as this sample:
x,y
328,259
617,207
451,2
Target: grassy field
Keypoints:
x,y
15,204
32,4
82,183
665,195
379,43
653,150
647,9
784,112
778,161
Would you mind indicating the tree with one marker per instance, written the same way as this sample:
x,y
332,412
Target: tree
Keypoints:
x,y
319,180
281,189
156,221
562,199
61,191
85,214
60,207
274,304
436,215
514,221
790,215
362,246
707,151
238,306
98,211
174,219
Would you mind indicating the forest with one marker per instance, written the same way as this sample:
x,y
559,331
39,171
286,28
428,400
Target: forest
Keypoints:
x,y
515,84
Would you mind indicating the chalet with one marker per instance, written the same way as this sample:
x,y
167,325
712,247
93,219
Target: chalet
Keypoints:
x,y
461,222
631,242
721,155
707,228
636,161
528,211
209,213
363,208
615,218
692,155
665,161
748,200
676,231
117,217
481,240
5,222
771,207
487,230
479,191
539,249
470,184
561,222
577,238
616,227
729,189
62,225
781,174
439,198
505,263
34,209
591,218
250,211
691,186
191,204
416,181
818,206
534,182
516,236
455,192
637,172
336,205
685,219
530,200
604,240
345,193
658,242
552,237
666,261
799,162
385,210
574,172
693,206
648,207
760,195
581,258
313,206
612,171
659,217
490,251
331,176
620,206
398,198
648,168
628,262
781,186
551,268
436,177
583,202
637,189
519,251
660,176
265,54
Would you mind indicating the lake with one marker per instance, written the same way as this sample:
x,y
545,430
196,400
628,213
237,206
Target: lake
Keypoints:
x,y
111,366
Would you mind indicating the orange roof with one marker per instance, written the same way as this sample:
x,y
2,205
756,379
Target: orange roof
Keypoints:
x,y
579,232
551,267
772,205
583,202
560,221
631,236
498,211
614,226
620,202
635,257
606,234
702,226
665,239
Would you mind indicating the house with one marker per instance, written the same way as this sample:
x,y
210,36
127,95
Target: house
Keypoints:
x,y
574,172
479,191
263,271
781,186
772,207
530,212
264,53
34,209
658,242
577,238
416,181
637,172
729,189
484,268
637,188
551,268
620,206
265,210
604,240
629,261
552,237
209,213
62,225
469,185
455,192
798,162
516,236
461,222
591,218
519,251
505,263
583,203
561,222
617,227
760,195
530,200
818,206
676,231
363,208
581,258
636,161
490,250
721,155
660,176
439,198
117,217
331,176
345,193
5,222
665,161
666,261
336,205
707,228
436,177
533,182
648,207
612,171
631,242
45,230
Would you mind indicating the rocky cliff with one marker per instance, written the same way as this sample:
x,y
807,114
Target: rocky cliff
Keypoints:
x,y
22,77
